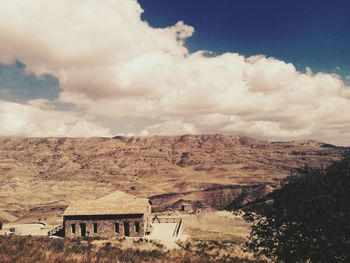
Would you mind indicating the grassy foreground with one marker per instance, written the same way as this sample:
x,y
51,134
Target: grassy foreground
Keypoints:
x,y
22,249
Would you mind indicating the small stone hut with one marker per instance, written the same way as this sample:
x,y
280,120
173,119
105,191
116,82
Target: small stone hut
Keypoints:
x,y
186,207
115,215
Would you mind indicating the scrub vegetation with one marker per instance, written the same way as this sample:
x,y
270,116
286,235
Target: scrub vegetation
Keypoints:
x,y
22,249
309,218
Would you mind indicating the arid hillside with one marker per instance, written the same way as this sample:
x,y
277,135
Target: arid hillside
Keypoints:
x,y
40,176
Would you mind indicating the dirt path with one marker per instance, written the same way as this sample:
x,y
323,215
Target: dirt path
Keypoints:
x,y
163,232
26,229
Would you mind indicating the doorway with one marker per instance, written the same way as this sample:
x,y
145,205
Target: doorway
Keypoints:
x,y
83,230
126,229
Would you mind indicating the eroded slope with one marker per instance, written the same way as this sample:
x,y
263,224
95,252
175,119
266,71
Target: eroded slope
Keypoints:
x,y
211,170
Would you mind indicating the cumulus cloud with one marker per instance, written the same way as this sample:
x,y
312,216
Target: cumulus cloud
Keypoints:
x,y
170,127
111,64
40,119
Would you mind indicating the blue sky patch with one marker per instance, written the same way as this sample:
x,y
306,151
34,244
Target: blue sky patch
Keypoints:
x,y
18,86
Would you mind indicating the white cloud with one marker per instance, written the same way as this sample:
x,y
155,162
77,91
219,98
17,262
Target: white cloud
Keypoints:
x,y
112,65
170,127
40,120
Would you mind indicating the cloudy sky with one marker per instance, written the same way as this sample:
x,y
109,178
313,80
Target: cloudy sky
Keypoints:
x,y
275,70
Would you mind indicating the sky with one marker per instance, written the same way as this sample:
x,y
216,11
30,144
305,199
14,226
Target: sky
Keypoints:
x,y
272,69
306,33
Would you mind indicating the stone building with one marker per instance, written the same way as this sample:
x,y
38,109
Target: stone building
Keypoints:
x,y
186,207
115,215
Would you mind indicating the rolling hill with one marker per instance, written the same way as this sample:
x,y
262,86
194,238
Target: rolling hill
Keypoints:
x,y
40,176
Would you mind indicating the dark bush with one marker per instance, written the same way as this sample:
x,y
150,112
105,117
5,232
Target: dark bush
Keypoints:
x,y
309,219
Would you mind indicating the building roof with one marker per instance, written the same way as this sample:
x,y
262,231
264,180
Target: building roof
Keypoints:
x,y
117,203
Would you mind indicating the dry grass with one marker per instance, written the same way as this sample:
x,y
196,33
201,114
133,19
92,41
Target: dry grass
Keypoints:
x,y
219,251
217,235
216,225
42,249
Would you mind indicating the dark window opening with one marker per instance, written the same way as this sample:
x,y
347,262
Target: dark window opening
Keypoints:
x,y
116,227
95,228
137,227
83,229
73,228
126,229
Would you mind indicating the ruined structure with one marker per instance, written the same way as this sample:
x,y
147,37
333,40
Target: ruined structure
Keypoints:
x,y
115,215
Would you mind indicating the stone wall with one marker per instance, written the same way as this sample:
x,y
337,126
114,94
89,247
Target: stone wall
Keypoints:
x,y
105,225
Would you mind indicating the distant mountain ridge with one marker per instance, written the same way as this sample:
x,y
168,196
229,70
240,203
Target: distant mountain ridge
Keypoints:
x,y
219,171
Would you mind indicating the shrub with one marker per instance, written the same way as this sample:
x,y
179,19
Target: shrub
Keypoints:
x,y
309,220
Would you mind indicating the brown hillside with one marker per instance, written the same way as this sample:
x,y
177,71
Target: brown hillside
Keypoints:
x,y
206,170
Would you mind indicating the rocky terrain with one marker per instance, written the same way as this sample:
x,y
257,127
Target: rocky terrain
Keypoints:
x,y
40,176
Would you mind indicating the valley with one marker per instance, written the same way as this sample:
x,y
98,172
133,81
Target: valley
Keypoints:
x,y
39,177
